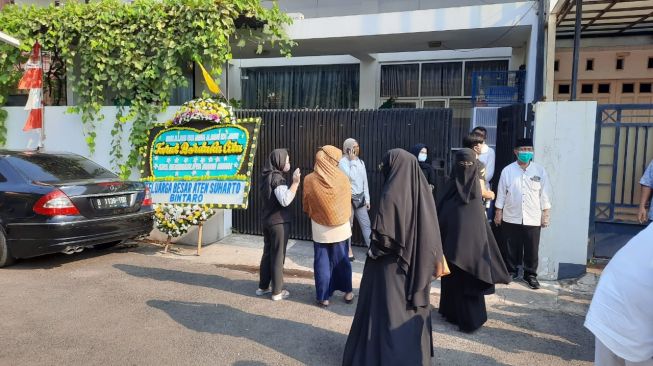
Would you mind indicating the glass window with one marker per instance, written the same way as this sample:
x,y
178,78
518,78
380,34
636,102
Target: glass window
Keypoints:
x,y
400,80
628,88
620,64
434,104
556,65
311,87
589,64
478,66
57,168
184,93
587,88
563,88
645,87
442,79
650,62
604,88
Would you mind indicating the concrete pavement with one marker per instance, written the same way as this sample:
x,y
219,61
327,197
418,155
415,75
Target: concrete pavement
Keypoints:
x,y
136,306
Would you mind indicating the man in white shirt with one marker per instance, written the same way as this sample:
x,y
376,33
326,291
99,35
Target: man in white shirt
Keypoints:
x,y
620,315
487,155
522,208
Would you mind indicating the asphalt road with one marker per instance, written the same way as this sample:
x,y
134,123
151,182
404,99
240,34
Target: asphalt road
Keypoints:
x,y
128,307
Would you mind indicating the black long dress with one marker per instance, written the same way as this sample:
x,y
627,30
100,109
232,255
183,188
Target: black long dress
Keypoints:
x,y
392,324
469,246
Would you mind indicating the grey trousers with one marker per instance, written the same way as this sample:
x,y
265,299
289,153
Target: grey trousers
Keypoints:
x,y
364,221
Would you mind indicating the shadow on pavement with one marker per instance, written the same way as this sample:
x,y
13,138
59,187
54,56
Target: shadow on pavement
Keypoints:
x,y
56,260
317,346
446,356
560,335
299,292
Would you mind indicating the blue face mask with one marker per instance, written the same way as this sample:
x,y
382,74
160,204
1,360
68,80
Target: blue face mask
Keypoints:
x,y
525,156
421,157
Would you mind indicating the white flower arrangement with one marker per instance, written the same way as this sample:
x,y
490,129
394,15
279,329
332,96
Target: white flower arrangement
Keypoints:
x,y
175,220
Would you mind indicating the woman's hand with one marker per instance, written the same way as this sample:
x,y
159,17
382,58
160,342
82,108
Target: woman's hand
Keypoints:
x,y
439,269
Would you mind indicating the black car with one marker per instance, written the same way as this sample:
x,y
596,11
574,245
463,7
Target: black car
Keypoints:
x,y
63,202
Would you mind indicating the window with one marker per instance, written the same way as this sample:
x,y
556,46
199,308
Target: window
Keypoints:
x,y
312,87
628,88
650,62
442,79
604,88
563,88
474,66
57,168
645,87
587,88
620,64
556,65
589,64
400,80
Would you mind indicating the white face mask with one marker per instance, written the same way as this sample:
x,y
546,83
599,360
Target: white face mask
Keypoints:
x,y
421,157
286,168
484,148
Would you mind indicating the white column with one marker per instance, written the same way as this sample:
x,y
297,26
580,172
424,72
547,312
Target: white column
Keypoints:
x,y
564,145
549,71
531,64
368,89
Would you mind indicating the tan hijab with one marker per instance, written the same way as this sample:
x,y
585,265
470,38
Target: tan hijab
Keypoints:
x,y
327,191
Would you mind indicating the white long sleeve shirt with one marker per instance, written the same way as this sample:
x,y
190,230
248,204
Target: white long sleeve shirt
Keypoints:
x,y
355,170
489,160
284,195
523,194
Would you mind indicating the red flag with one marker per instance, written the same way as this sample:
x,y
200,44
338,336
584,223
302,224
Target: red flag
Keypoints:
x,y
33,80
34,120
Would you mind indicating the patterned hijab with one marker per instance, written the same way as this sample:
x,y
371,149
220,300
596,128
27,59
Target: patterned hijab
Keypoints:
x,y
327,191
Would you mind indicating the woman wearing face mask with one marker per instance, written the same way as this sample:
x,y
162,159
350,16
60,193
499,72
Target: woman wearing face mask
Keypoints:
x,y
277,216
421,153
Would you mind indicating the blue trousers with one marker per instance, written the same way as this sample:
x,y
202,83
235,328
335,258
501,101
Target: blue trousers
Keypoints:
x,y
332,269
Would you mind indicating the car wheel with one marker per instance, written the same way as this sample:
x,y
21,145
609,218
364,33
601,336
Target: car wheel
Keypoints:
x,y
107,245
6,259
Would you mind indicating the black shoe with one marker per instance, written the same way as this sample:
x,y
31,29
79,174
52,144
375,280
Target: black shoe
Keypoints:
x,y
352,258
514,275
532,282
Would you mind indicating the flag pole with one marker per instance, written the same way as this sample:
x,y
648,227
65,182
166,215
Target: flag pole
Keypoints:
x,y
42,132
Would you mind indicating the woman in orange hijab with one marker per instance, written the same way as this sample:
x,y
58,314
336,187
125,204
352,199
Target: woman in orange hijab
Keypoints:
x,y
327,201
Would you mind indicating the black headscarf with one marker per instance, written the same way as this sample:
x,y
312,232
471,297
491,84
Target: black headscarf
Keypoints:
x,y
465,172
273,175
407,219
427,168
467,238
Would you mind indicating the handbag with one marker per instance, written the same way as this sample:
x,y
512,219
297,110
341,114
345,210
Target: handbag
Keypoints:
x,y
358,200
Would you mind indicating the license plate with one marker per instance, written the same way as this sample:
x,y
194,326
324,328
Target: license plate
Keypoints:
x,y
105,203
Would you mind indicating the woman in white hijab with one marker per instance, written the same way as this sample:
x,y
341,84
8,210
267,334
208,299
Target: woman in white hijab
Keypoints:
x,y
621,313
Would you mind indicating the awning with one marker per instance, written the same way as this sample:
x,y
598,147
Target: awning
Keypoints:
x,y
607,18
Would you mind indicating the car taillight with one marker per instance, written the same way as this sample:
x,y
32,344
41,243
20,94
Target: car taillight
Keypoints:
x,y
55,203
147,201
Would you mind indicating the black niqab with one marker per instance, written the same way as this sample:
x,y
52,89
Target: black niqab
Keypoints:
x,y
467,238
273,175
407,217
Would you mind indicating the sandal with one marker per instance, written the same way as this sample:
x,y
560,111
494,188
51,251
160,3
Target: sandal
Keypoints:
x,y
352,258
350,300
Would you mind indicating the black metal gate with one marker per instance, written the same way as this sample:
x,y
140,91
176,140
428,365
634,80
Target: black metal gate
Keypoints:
x,y
623,148
303,131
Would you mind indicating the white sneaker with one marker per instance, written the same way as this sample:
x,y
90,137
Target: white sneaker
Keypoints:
x,y
260,292
282,296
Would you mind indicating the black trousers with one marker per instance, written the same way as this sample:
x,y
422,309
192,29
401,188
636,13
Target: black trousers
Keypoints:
x,y
275,238
522,245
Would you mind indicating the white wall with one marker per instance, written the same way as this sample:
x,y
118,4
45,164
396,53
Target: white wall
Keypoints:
x,y
564,145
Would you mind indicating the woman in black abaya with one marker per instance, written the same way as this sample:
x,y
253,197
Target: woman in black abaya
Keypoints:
x,y
469,246
392,324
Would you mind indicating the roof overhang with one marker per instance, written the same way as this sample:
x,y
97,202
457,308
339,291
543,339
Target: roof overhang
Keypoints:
x,y
469,27
606,18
